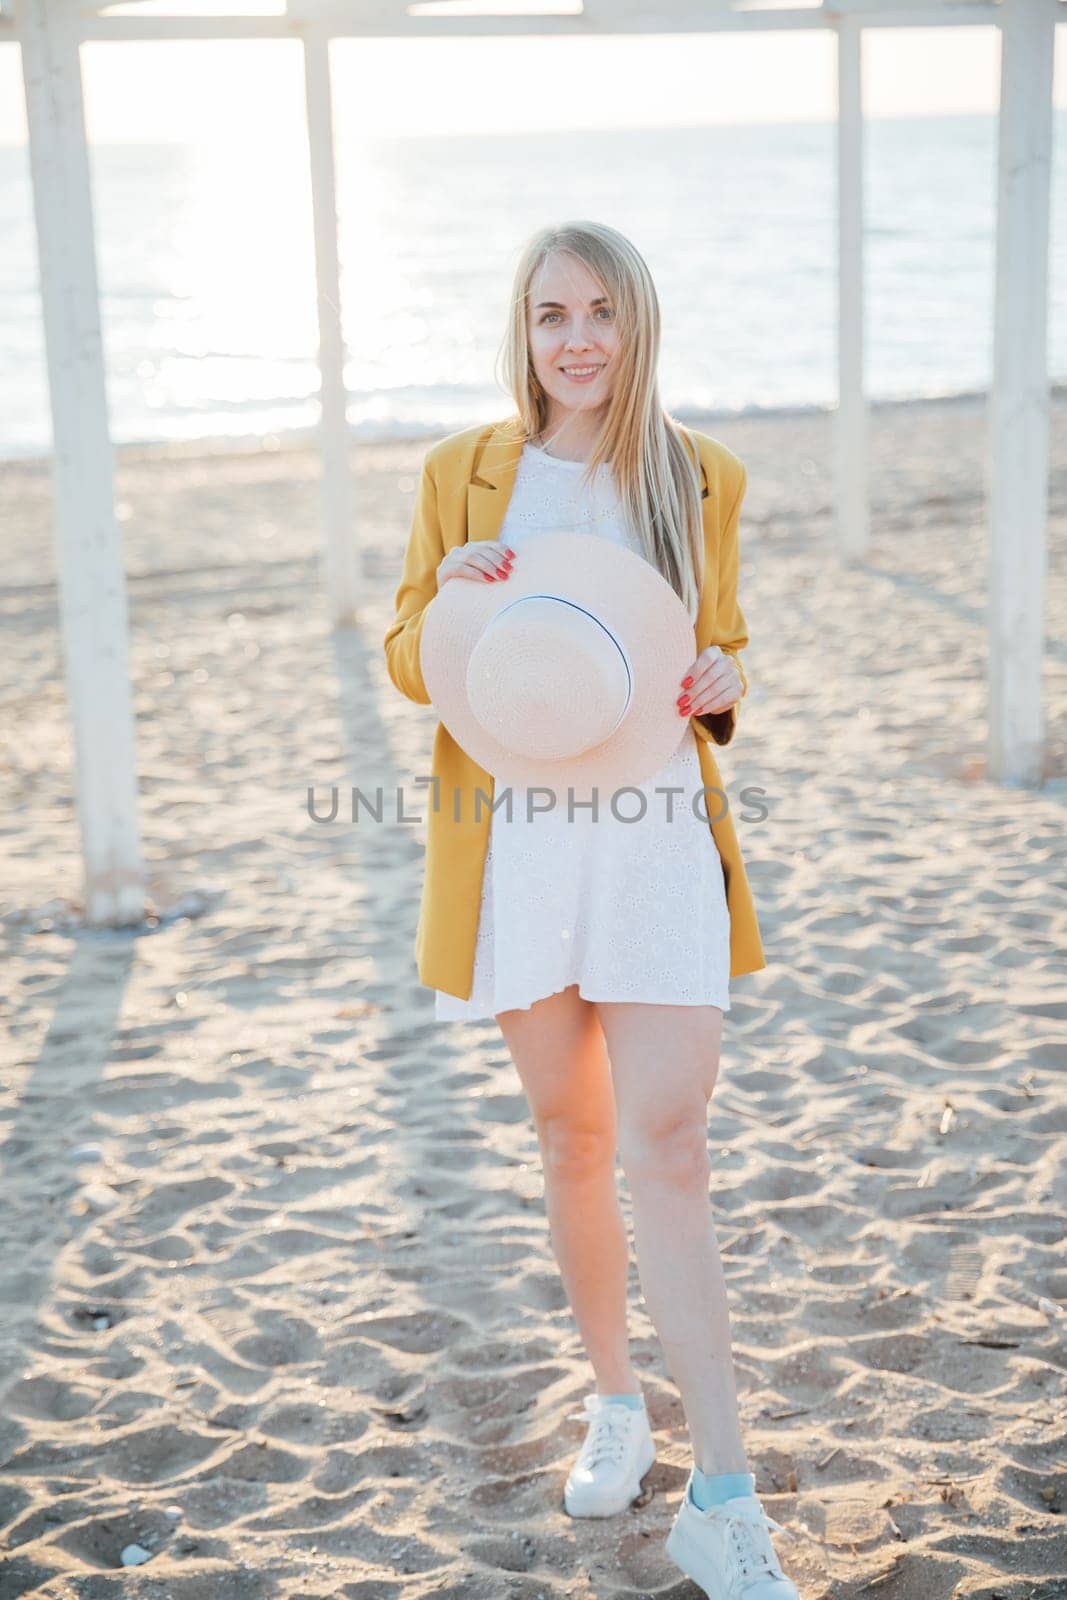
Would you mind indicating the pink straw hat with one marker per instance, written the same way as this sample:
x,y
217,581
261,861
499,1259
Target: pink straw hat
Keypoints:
x,y
566,674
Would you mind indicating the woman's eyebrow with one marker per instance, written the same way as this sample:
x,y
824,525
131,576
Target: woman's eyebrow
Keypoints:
x,y
555,305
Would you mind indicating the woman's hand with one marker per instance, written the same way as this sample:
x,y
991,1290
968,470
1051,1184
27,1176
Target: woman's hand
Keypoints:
x,y
480,559
712,683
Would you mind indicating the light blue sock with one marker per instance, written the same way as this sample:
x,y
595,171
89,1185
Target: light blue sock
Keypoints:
x,y
634,1401
712,1488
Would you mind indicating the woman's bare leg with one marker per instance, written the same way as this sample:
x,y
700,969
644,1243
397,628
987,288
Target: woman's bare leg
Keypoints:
x,y
558,1049
665,1060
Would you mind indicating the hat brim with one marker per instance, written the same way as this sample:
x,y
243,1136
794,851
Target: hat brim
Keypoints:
x,y
632,598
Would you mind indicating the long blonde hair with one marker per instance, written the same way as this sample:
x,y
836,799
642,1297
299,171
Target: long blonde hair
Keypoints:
x,y
657,476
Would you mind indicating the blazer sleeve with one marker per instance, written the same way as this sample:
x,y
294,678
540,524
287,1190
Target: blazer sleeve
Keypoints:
x,y
730,631
417,590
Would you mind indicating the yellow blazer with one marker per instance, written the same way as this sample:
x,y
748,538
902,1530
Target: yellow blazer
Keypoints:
x,y
463,494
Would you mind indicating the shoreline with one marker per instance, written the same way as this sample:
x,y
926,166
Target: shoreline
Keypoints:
x,y
300,438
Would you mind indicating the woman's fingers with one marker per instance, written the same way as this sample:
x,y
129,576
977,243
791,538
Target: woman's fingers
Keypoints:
x,y
479,562
482,562
710,681
497,559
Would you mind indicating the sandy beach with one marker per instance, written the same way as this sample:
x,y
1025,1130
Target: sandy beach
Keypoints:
x,y
277,1300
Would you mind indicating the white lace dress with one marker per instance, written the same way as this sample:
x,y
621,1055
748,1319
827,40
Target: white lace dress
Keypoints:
x,y
628,907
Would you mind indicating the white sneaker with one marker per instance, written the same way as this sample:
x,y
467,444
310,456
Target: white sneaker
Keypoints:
x,y
727,1549
618,1451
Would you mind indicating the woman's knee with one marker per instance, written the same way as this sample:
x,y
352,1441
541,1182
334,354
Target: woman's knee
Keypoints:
x,y
573,1149
670,1151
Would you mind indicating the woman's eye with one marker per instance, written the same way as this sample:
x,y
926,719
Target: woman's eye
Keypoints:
x,y
605,309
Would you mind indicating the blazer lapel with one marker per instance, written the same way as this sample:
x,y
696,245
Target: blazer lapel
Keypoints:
x,y
492,479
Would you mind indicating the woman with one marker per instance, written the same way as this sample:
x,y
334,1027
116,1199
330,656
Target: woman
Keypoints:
x,y
604,948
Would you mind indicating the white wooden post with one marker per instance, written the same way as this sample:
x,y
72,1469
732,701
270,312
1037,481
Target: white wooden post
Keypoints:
x,y
91,582
340,547
850,422
1018,455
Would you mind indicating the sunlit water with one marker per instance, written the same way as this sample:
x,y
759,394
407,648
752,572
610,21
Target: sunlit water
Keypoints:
x,y
208,292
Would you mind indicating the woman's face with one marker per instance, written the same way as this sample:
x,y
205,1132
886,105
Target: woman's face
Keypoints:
x,y
571,326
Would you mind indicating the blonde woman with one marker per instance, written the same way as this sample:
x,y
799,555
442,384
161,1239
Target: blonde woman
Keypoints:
x,y
604,948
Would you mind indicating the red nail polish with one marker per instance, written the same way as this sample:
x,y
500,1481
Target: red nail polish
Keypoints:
x,y
490,577
686,683
683,705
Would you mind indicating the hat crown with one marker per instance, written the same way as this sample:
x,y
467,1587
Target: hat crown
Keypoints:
x,y
548,678
582,667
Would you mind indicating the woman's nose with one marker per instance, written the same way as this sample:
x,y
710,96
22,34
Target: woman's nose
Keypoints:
x,y
580,340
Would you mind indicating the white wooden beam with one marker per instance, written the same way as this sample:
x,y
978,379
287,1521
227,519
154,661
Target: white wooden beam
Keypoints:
x,y
342,24
598,21
342,566
1018,455
92,593
850,421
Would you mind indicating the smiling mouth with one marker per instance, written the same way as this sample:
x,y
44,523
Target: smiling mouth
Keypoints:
x,y
582,372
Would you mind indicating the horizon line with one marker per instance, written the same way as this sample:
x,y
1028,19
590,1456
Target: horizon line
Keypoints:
x,y
517,133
